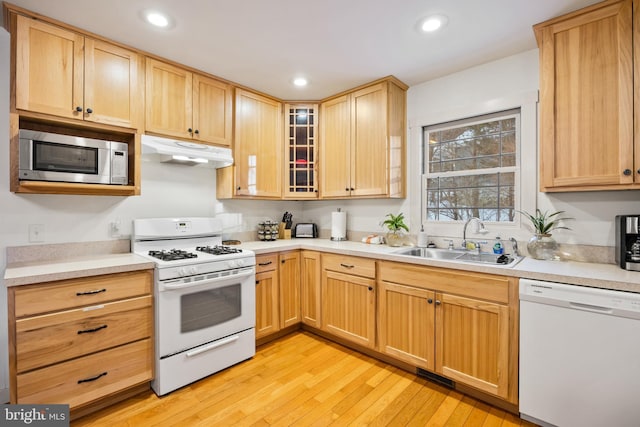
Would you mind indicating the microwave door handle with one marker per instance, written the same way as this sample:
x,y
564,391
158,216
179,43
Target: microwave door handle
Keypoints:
x,y
241,275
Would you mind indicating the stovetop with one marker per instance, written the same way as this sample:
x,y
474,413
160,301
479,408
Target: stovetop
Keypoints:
x,y
186,246
218,250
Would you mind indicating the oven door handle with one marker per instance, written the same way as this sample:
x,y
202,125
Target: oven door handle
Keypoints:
x,y
241,275
213,346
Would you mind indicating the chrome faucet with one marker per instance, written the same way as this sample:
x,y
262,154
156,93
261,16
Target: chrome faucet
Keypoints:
x,y
514,245
481,229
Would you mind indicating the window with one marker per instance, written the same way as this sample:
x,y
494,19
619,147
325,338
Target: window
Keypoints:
x,y
471,168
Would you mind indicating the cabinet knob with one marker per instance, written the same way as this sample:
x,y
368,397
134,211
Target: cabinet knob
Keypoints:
x,y
79,109
239,188
627,172
370,288
257,282
438,302
638,170
190,130
89,110
196,132
430,300
352,189
346,189
282,261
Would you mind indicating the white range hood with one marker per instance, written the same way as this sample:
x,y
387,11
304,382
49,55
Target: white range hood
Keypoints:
x,y
187,153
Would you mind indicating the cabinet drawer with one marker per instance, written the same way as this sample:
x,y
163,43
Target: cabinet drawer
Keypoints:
x,y
52,338
471,284
363,267
268,262
65,294
83,380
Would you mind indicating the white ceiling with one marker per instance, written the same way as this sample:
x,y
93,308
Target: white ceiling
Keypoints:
x,y
336,44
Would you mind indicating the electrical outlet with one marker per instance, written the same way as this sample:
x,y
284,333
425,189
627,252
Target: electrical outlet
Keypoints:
x,y
36,233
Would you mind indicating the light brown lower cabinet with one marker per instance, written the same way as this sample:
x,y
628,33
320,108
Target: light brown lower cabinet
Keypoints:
x,y
267,319
277,292
78,341
461,325
310,294
348,298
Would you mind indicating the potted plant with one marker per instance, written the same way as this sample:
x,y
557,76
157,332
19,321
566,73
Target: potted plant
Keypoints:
x,y
542,245
396,226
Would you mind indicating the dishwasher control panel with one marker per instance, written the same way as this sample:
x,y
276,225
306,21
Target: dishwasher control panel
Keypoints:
x,y
605,301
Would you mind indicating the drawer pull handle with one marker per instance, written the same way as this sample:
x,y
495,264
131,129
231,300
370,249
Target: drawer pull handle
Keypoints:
x,y
97,291
347,265
88,380
263,264
88,331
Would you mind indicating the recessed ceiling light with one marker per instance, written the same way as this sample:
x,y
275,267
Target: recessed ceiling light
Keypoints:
x,y
300,81
157,19
433,23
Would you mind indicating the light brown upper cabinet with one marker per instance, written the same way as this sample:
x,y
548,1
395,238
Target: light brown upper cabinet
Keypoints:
x,y
62,73
187,105
588,60
362,142
300,151
258,146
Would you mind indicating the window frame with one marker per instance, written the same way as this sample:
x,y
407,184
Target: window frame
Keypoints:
x,y
527,101
470,121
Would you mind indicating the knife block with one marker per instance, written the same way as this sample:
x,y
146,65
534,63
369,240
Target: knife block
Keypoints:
x,y
283,233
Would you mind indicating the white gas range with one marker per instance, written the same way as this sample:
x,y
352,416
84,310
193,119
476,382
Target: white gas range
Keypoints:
x,y
204,298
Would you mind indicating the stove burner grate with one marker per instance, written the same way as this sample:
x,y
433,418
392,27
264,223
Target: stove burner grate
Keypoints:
x,y
172,255
218,250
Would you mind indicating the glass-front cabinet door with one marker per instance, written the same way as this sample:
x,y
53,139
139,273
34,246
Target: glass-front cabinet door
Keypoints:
x,y
301,129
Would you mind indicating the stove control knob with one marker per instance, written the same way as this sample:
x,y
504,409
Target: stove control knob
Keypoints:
x,y
233,264
194,270
182,271
240,263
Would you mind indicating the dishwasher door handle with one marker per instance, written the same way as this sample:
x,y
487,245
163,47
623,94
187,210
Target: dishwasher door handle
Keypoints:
x,y
591,308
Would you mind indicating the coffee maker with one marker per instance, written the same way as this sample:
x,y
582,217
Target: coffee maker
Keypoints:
x,y
628,242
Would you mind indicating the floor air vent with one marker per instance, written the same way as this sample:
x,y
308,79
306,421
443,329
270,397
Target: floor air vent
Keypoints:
x,y
436,378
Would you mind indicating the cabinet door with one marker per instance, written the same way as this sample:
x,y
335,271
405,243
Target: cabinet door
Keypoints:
x,y
258,146
310,288
369,142
289,277
49,69
586,94
335,148
472,342
111,89
212,110
348,307
168,99
267,303
406,318
300,151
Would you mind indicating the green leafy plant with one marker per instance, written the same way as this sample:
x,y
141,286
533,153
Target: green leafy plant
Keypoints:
x,y
545,222
395,222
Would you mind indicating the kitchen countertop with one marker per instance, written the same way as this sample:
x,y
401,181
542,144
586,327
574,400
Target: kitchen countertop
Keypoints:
x,y
25,273
606,276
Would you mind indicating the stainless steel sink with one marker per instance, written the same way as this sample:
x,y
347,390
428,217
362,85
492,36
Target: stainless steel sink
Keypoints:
x,y
430,253
460,256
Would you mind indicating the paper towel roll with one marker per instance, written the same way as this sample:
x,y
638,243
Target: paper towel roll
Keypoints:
x,y
338,225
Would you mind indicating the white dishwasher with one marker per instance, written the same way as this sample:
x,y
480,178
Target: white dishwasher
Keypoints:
x,y
579,355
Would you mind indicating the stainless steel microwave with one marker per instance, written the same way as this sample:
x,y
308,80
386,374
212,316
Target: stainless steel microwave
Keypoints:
x,y
47,156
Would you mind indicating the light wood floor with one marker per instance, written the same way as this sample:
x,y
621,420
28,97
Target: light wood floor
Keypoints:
x,y
303,380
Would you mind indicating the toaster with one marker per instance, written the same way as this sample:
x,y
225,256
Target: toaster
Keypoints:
x,y
305,229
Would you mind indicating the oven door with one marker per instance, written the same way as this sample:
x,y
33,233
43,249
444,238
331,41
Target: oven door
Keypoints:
x,y
195,310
